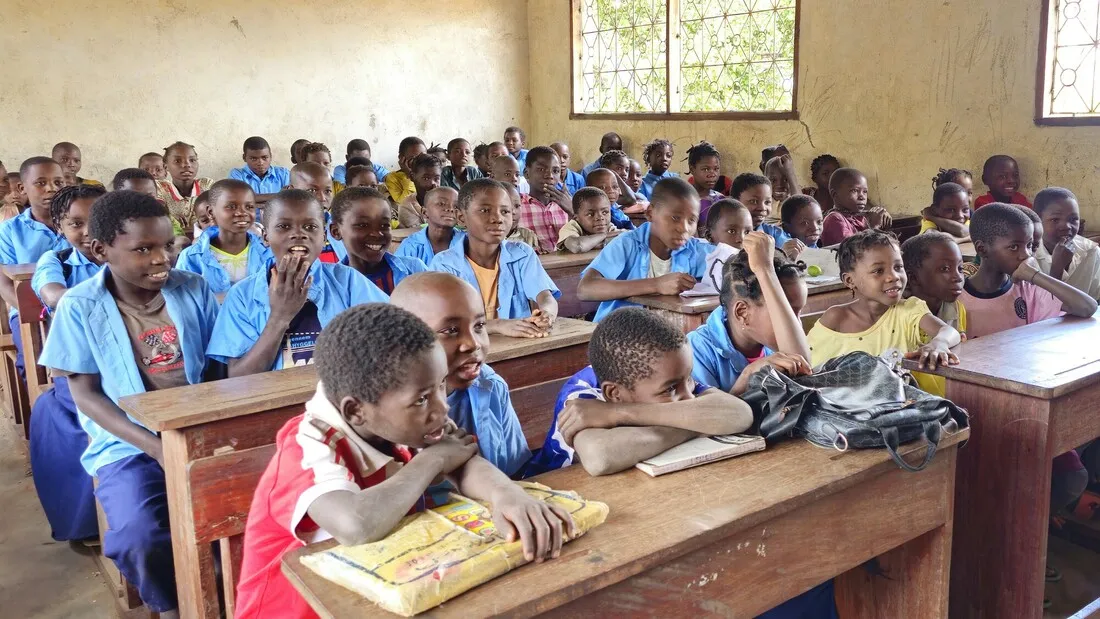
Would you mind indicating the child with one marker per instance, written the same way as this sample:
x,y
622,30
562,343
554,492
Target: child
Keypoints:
x,y
134,179
802,220
365,452
879,321
546,209
515,140
618,162
755,192
1062,253
507,274
762,295
609,141
440,154
296,150
1036,228
934,266
571,181
179,243
182,163
459,155
314,178
705,166
270,320
68,155
658,156
771,152
361,176
265,179
590,227
425,172
957,176
728,222
59,270
636,400
821,170
1002,176
399,184
661,256
518,233
949,212
357,148
1009,290
440,234
634,181
203,217
481,159
608,182
316,152
16,197
361,220
780,173
848,188
227,252
137,304
153,163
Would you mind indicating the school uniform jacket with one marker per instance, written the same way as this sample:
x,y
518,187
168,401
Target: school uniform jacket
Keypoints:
x,y
199,258
521,277
401,266
247,307
417,245
485,410
51,269
88,337
716,361
23,240
627,257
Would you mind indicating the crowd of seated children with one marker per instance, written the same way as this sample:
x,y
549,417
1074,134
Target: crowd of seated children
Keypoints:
x,y
228,251
848,188
728,222
1063,253
361,221
949,212
590,228
1001,176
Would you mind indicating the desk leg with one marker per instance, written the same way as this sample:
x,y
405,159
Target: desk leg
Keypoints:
x,y
194,561
909,581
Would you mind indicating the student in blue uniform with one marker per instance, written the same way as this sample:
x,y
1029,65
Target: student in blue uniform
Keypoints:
x,y
227,252
657,155
477,397
265,179
271,319
662,256
165,317
361,220
440,234
314,178
507,274
755,192
357,149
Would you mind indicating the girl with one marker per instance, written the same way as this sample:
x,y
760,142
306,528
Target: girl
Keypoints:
x,y
179,193
762,295
780,173
619,163
361,219
705,166
821,170
949,212
728,222
634,181
934,266
755,192
879,321
658,157
802,219
957,176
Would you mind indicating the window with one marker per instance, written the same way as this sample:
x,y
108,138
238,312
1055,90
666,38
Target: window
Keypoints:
x,y
689,58
1068,90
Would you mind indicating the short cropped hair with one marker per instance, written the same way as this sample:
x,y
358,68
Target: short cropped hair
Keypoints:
x,y
356,145
112,210
792,205
314,147
472,188
844,175
672,188
26,166
343,201
627,342
289,195
540,152
256,143
455,142
584,194
353,171
359,161
366,350
513,129
64,198
1032,215
720,208
226,184
916,248
130,174
852,248
424,160
994,221
408,143
1050,195
746,181
64,146
944,190
994,160
147,155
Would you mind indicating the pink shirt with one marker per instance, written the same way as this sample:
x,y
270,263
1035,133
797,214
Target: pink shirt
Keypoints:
x,y
1015,305
839,226
545,220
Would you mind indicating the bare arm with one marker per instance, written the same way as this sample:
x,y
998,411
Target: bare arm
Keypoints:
x,y
581,244
89,398
7,291
606,451
262,198
627,197
942,333
1074,301
51,294
548,306
595,287
789,335
263,353
713,412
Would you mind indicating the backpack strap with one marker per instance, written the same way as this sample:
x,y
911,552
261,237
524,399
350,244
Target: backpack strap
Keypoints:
x,y
932,433
66,268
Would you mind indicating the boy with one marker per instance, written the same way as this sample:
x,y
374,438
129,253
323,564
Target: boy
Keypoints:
x,y
515,140
608,182
591,226
496,150
508,275
440,234
15,196
136,326
357,148
135,179
270,320
425,172
366,452
662,256
153,163
609,141
848,188
1001,175
266,180
296,150
361,220
314,178
571,181
1063,254
399,184
68,155
459,172
476,395
546,208
636,400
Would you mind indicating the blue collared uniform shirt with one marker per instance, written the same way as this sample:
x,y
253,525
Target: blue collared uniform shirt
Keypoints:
x,y
521,277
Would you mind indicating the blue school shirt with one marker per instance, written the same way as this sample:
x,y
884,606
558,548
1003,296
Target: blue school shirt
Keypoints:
x,y
620,219
247,307
521,277
417,245
332,242
484,409
88,337
521,159
51,270
627,257
400,266
23,240
573,181
199,258
716,361
276,179
340,172
588,169
651,179
779,234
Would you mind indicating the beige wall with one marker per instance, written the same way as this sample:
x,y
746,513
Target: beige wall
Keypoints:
x,y
893,87
120,78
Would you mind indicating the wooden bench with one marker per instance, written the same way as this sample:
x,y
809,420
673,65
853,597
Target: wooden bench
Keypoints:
x,y
17,395
1032,394
565,269
732,538
218,437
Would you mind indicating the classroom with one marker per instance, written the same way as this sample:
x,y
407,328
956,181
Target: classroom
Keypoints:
x,y
663,308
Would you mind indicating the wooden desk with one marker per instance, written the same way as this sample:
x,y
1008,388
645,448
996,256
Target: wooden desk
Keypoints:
x,y
690,312
1032,394
565,269
19,272
731,538
969,254
21,394
400,234
218,437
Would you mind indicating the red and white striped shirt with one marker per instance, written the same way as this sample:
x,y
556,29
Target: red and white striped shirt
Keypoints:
x,y
543,219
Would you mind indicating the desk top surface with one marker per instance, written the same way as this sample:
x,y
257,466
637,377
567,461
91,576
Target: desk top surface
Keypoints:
x,y
19,272
564,259
703,305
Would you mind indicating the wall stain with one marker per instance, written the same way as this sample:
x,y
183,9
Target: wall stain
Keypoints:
x,y
236,24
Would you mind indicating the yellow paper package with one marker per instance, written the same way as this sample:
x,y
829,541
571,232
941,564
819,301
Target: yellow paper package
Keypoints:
x,y
433,556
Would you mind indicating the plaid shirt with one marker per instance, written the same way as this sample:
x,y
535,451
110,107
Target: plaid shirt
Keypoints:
x,y
543,219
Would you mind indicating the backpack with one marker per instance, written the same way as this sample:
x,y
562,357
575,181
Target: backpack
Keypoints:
x,y
855,400
66,268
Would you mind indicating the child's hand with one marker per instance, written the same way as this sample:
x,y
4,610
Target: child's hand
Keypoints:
x,y
784,363
522,327
675,283
1061,257
1027,270
543,319
793,248
538,525
557,195
454,449
760,248
584,413
289,288
879,219
932,355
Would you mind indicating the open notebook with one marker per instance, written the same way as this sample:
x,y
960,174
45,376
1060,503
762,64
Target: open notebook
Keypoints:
x,y
701,450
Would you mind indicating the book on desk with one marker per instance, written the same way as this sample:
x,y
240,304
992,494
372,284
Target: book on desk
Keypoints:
x,y
699,451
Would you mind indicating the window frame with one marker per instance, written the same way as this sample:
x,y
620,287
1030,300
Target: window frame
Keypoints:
x,y
1043,83
575,78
